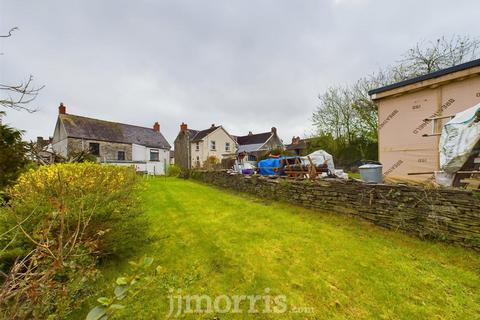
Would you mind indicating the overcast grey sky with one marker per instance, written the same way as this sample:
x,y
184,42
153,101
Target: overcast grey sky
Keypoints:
x,y
248,65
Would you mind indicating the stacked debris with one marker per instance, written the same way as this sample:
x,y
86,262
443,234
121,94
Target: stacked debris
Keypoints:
x,y
460,150
315,165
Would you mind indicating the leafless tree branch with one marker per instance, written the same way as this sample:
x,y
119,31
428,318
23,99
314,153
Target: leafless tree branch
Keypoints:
x,y
9,33
18,96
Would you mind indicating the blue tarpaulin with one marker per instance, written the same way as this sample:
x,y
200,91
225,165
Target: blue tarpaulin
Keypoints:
x,y
267,167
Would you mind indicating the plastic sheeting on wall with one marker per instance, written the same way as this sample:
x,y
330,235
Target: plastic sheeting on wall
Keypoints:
x,y
459,137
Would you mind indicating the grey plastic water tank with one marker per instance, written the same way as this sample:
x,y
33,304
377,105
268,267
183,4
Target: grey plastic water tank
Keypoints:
x,y
371,173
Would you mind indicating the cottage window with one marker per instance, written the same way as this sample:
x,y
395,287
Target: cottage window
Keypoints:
x,y
154,155
197,146
94,148
251,157
213,146
198,162
227,146
121,155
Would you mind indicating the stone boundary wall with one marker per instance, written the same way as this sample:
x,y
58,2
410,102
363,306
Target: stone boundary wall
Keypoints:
x,y
444,214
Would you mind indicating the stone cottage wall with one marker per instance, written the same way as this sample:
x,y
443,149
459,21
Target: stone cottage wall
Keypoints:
x,y
182,154
108,150
443,214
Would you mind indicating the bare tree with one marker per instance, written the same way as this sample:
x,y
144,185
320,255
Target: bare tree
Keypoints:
x,y
18,96
427,57
347,112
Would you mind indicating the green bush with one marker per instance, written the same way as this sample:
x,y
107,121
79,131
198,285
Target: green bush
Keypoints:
x,y
345,154
60,220
173,170
12,155
104,199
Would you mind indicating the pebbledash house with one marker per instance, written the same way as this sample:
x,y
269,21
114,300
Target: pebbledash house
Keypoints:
x,y
112,142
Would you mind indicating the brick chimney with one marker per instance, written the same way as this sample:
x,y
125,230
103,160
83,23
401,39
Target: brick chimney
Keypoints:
x,y
156,127
274,130
62,109
183,127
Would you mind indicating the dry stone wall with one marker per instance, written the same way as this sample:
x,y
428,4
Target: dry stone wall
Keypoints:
x,y
444,214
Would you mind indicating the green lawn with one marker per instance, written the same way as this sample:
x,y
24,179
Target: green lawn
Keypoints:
x,y
214,242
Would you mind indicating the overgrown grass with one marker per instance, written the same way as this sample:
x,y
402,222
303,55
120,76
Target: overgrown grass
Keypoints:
x,y
214,242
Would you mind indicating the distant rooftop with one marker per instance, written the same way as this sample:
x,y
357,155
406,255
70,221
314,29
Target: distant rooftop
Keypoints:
x,y
254,138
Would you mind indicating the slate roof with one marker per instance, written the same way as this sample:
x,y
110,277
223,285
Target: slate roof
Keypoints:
x,y
203,133
301,145
192,133
254,138
94,129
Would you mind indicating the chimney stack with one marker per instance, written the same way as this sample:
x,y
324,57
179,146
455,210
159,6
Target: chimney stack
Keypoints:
x,y
213,125
62,109
156,127
250,133
183,127
274,130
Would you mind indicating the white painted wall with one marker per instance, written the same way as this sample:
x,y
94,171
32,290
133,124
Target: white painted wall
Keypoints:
x,y
220,137
60,147
59,142
142,154
139,152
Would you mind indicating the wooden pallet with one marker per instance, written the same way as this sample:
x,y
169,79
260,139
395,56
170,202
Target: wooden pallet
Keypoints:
x,y
473,181
311,173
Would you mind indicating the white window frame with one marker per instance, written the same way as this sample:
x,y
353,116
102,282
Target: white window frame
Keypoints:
x,y
227,146
213,145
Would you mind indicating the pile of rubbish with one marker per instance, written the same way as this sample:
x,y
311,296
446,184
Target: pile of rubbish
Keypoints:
x,y
295,166
458,141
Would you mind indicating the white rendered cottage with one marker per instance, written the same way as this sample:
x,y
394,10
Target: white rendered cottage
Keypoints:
x,y
112,142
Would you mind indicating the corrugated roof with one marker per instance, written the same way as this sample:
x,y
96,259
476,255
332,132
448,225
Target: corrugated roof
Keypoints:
x,y
254,138
94,129
436,74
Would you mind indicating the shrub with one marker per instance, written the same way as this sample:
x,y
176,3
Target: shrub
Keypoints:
x,y
212,163
63,218
105,197
12,155
173,170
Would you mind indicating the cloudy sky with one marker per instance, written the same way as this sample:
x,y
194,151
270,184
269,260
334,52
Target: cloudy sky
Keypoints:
x,y
248,65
